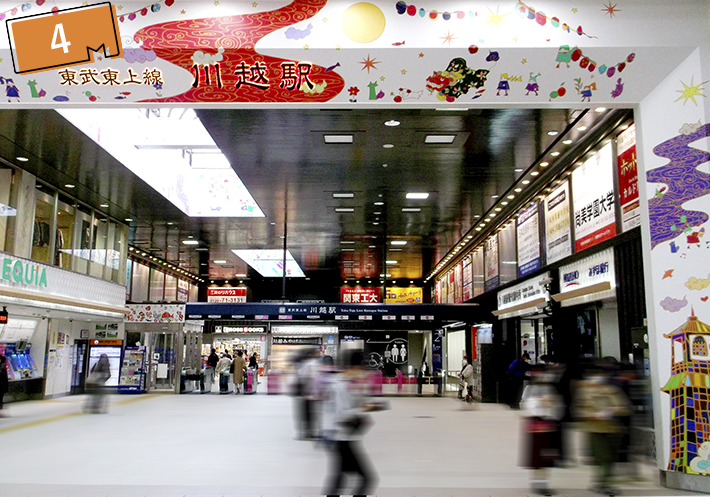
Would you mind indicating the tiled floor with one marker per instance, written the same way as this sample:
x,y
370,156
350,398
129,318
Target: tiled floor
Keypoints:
x,y
217,445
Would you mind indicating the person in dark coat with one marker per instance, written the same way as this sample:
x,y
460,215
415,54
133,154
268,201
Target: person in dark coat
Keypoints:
x,y
98,376
212,361
517,371
4,382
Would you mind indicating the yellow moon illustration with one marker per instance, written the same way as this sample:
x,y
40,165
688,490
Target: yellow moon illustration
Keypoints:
x,y
363,22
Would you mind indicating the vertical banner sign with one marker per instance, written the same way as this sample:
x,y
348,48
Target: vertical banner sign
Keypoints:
x,y
183,289
558,236
529,240
467,278
458,281
593,200
491,258
438,292
445,289
437,346
479,272
474,338
628,179
452,287
63,38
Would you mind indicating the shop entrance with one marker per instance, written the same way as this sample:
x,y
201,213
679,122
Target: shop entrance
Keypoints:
x,y
533,338
80,362
162,354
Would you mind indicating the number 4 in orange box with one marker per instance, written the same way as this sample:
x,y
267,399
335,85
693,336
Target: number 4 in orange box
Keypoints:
x,y
63,38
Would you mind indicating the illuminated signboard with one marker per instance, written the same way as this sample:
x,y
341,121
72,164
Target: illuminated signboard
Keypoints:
x,y
269,263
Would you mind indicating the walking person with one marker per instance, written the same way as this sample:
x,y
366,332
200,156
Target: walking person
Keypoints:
x,y
4,384
462,382
349,423
98,376
599,405
212,361
222,369
467,378
517,371
240,367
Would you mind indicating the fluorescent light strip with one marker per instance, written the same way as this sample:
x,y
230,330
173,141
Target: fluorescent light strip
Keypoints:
x,y
419,196
398,242
344,209
411,209
440,139
338,138
343,195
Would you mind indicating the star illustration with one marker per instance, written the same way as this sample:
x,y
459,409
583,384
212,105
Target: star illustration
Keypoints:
x,y
85,3
382,78
182,11
325,19
100,58
254,4
574,10
448,38
305,47
369,63
524,61
337,47
515,39
404,71
689,92
120,7
495,19
0,59
668,274
611,9
421,55
216,3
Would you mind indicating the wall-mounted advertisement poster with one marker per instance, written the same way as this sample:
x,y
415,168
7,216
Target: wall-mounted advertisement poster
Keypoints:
x,y
593,200
467,278
350,295
558,236
628,179
458,283
479,272
227,295
529,240
437,292
491,257
452,287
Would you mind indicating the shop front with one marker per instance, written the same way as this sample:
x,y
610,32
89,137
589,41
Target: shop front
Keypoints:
x,y
224,337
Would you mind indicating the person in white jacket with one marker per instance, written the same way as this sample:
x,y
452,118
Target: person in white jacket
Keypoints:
x,y
345,421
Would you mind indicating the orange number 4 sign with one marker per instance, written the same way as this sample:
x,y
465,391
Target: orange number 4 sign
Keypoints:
x,y
63,38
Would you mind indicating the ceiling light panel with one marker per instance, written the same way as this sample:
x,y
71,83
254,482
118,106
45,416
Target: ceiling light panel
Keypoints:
x,y
440,139
417,196
343,195
330,139
269,263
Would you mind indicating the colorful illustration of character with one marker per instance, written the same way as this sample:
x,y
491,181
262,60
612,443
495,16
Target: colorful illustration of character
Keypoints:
x,y
618,90
564,55
374,94
584,91
693,238
660,192
206,60
11,91
503,84
456,80
532,85
33,90
407,94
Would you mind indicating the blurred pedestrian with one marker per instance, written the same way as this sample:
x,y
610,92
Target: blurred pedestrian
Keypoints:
x,y
253,362
98,376
462,382
240,367
322,391
222,368
212,361
517,372
543,407
4,383
350,422
599,405
305,414
467,378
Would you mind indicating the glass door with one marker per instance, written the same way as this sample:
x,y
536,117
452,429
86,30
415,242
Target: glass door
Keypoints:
x,y
162,355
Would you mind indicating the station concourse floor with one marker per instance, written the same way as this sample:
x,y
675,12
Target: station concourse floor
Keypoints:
x,y
214,445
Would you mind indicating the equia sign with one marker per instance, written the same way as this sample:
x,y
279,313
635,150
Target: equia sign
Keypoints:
x,y
22,272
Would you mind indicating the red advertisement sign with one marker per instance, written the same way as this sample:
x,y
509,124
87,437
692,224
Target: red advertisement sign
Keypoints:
x,y
628,179
350,295
227,295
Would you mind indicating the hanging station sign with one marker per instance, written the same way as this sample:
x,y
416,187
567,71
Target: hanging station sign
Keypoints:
x,y
227,295
593,199
528,240
558,236
628,179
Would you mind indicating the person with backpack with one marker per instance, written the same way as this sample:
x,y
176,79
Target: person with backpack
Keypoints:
x,y
517,371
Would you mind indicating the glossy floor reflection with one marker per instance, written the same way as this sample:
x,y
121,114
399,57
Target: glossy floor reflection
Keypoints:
x,y
225,445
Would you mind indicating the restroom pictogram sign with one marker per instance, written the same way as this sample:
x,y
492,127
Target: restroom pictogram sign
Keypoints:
x,y
64,38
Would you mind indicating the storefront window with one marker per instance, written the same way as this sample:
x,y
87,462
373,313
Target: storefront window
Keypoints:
x,y
82,240
8,211
139,282
157,285
118,254
65,233
98,247
43,223
170,288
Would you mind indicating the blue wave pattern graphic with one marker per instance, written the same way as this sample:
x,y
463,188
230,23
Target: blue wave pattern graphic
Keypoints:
x,y
685,182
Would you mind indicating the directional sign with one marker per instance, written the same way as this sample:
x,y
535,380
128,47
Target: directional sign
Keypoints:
x,y
63,38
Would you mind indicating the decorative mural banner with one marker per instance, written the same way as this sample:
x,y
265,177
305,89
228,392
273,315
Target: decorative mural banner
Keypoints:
x,y
558,232
155,313
528,231
594,200
347,52
628,179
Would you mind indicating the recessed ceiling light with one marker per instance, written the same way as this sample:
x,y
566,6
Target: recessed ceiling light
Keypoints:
x,y
377,213
190,242
600,109
347,242
240,275
526,182
553,133
220,262
347,250
375,224
495,196
372,246
338,138
22,159
518,170
555,154
504,202
493,214
128,219
544,164
440,139
384,165
69,186
398,242
103,205
343,195
419,196
344,209
411,209
387,145
395,250
518,190
391,262
534,173
487,219
392,122
379,203
498,209
478,229
477,216
511,197
567,142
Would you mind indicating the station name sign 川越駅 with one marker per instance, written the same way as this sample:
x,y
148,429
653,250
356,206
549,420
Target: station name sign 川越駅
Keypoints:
x,y
331,312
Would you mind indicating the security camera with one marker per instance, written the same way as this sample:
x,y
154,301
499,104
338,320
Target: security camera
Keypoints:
x,y
545,281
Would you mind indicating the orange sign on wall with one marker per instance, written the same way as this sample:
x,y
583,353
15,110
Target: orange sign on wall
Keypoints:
x,y
63,38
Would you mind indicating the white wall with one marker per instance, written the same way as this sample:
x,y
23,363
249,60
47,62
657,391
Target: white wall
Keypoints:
x,y
609,331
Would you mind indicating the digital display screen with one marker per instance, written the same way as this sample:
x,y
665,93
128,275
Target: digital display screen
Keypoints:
x,y
269,263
